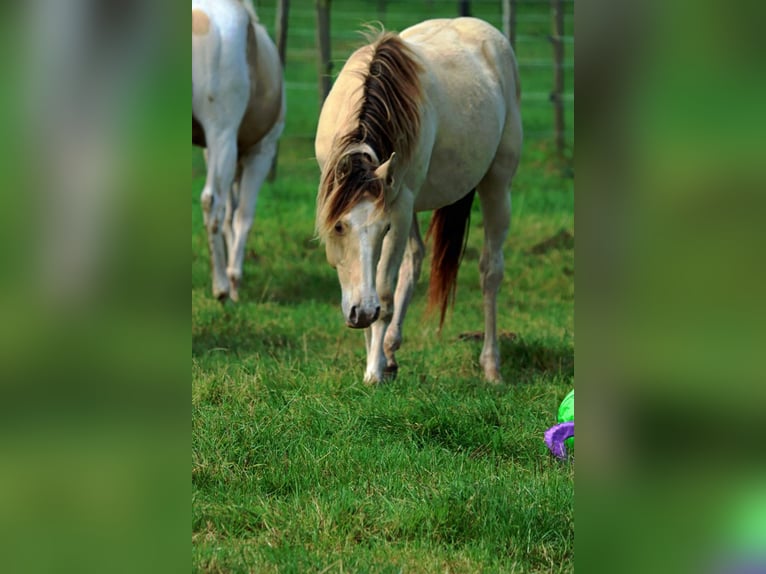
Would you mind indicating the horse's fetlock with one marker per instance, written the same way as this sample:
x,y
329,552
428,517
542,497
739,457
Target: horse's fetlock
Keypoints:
x,y
393,340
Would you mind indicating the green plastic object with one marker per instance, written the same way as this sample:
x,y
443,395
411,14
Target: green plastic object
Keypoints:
x,y
566,414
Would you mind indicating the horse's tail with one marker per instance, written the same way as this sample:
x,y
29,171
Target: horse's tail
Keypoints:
x,y
449,227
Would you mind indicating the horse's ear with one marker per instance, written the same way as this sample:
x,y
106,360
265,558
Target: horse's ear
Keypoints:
x,y
386,172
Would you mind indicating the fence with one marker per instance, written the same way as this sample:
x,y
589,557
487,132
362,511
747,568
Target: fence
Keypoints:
x,y
541,31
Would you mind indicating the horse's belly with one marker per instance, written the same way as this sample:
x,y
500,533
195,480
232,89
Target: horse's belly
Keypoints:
x,y
439,192
198,134
457,164
467,134
258,121
264,107
467,83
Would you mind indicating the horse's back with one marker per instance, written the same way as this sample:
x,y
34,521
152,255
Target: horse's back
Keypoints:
x,y
461,52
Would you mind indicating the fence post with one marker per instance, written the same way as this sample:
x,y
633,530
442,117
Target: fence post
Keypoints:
x,y
323,41
557,95
280,31
509,21
280,27
464,7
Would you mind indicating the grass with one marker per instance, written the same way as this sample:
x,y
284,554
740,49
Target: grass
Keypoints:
x,y
299,467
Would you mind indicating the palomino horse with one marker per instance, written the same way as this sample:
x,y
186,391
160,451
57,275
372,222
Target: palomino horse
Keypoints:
x,y
238,113
417,121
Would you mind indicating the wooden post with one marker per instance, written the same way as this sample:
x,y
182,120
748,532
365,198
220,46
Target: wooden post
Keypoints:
x,y
557,95
464,7
323,43
381,10
280,27
280,31
509,21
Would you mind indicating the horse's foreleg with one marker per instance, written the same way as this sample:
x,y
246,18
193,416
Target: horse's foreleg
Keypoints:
x,y
221,168
496,209
391,257
255,168
409,273
376,360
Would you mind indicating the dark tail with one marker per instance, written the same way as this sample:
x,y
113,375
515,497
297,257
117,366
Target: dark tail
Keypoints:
x,y
449,228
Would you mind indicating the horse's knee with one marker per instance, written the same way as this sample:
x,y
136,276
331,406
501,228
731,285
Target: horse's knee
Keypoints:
x,y
386,306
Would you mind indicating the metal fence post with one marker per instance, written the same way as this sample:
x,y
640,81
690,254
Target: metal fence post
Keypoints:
x,y
557,95
280,32
509,21
323,42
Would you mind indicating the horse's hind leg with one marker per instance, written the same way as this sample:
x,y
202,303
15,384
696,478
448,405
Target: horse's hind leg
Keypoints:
x,y
231,208
220,91
221,167
496,209
256,164
409,272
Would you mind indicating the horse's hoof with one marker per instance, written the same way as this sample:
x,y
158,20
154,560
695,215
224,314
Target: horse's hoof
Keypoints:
x,y
494,378
390,372
222,298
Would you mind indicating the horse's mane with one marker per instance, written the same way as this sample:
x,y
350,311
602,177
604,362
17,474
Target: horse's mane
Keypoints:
x,y
388,121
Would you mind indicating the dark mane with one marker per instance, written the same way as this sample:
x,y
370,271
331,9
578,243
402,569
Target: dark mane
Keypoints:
x,y
388,121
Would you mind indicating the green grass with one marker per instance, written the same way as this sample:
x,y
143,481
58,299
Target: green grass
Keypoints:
x,y
299,467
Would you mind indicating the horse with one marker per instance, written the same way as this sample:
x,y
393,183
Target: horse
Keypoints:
x,y
418,121
238,114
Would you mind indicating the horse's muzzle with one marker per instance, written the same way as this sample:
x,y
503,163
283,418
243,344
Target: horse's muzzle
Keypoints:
x,y
360,318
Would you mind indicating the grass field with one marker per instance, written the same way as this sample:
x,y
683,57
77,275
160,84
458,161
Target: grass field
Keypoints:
x,y
299,467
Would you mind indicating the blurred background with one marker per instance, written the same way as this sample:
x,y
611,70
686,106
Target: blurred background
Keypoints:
x,y
670,310
669,299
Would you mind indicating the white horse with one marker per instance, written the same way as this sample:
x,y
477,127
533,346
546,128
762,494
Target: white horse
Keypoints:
x,y
417,121
238,114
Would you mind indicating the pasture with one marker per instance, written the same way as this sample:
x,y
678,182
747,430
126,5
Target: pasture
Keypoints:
x,y
297,466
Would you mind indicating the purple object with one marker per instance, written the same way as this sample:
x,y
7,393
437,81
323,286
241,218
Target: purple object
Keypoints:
x,y
555,437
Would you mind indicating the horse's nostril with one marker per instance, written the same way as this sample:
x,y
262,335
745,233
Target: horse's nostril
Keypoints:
x,y
377,314
352,315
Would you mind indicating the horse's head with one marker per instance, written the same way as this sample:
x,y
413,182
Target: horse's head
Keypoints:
x,y
354,220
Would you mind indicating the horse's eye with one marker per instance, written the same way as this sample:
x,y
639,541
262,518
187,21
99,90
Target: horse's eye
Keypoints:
x,y
339,228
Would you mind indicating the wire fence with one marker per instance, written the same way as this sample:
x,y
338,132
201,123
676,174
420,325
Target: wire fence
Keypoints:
x,y
542,32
